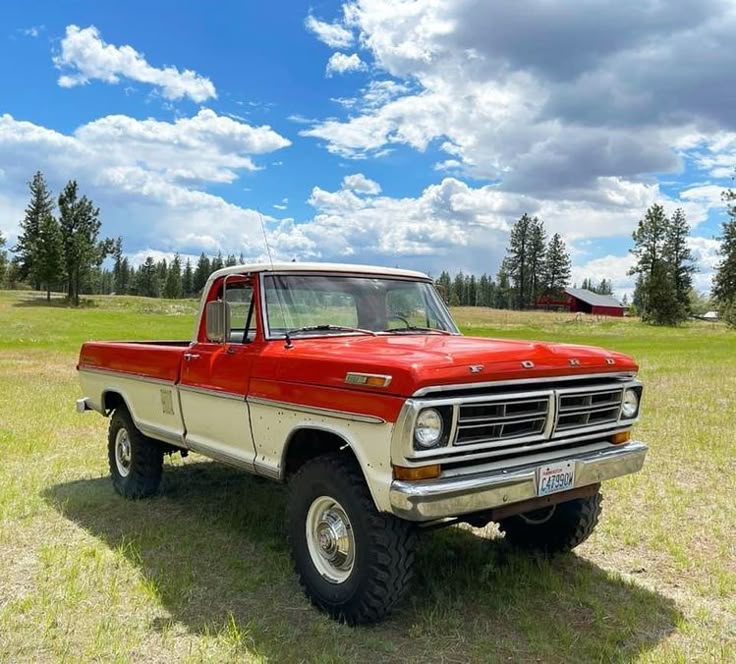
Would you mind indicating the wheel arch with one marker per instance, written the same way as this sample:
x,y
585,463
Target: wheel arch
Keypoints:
x,y
310,440
111,399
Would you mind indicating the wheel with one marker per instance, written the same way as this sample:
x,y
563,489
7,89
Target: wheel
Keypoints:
x,y
554,529
136,462
353,562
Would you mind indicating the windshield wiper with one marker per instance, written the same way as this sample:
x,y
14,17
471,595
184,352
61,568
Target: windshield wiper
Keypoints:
x,y
324,328
416,328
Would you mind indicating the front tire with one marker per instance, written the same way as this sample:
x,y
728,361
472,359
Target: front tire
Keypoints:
x,y
136,462
554,529
353,562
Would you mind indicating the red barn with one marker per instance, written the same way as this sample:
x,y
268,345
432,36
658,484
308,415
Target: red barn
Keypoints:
x,y
585,301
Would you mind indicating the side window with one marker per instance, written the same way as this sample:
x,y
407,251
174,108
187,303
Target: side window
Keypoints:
x,y
239,299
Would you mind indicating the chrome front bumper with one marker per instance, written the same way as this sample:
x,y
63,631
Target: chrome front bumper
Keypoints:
x,y
426,500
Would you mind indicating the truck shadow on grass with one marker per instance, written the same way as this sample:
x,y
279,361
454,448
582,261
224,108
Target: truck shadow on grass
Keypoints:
x,y
213,546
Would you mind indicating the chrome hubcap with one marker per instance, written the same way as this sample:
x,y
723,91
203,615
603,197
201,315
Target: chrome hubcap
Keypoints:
x,y
122,452
330,539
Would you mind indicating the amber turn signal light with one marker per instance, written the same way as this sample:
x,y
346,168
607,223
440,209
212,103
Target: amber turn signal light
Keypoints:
x,y
620,438
419,473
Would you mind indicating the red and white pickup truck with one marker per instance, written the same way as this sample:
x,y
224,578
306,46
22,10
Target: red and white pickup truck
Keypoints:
x,y
353,385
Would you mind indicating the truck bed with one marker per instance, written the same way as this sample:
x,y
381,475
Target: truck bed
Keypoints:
x,y
160,360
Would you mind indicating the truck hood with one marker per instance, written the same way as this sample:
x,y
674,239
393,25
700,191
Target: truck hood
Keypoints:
x,y
418,361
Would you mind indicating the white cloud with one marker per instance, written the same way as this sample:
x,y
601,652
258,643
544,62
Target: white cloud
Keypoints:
x,y
515,94
361,184
334,35
612,268
34,31
85,57
146,175
339,63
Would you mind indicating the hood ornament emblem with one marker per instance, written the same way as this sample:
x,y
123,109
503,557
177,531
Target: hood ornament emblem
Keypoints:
x,y
476,368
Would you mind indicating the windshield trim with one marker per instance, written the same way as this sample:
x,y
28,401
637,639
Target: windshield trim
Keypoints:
x,y
268,336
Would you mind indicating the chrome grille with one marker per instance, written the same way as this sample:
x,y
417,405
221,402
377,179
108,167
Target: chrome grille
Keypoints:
x,y
585,408
502,421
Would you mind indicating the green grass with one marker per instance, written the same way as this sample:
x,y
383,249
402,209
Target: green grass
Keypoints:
x,y
202,571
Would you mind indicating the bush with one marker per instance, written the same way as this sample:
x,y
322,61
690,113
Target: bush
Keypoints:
x,y
728,313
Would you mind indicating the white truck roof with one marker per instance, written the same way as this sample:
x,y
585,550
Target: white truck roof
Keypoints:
x,y
317,267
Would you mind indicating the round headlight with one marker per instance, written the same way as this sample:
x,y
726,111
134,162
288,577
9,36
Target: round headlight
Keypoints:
x,y
428,429
630,404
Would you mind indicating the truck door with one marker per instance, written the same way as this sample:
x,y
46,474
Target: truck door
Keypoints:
x,y
215,376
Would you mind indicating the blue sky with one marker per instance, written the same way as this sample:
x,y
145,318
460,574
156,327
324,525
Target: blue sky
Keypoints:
x,y
382,131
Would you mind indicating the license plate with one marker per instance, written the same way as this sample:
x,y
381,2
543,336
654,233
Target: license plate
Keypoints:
x,y
555,477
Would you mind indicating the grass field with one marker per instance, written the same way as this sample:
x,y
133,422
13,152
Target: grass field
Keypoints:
x,y
202,572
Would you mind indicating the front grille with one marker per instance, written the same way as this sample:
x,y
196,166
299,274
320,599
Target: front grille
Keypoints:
x,y
515,421
501,421
585,408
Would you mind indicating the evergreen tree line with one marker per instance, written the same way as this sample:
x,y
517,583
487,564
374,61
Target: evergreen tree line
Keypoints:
x,y
603,287
170,279
533,268
59,248
468,290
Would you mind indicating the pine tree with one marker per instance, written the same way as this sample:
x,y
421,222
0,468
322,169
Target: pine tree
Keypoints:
x,y
172,286
724,281
201,273
217,263
120,270
187,279
162,269
664,307
3,259
557,267
537,253
40,205
604,287
505,296
80,227
444,284
230,261
126,277
655,294
457,298
680,258
48,257
147,279
516,264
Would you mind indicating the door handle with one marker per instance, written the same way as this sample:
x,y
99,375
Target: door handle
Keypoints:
x,y
191,356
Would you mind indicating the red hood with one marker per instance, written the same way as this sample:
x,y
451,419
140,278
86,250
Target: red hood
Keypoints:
x,y
417,361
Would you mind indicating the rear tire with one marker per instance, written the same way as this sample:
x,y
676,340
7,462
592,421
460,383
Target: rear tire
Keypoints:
x,y
136,462
555,529
353,562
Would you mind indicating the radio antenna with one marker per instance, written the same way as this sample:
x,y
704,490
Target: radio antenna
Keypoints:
x,y
265,239
287,339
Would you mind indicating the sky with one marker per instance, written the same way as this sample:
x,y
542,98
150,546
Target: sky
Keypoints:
x,y
408,133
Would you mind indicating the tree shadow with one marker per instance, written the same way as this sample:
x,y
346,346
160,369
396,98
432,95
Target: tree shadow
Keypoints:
x,y
213,546
56,302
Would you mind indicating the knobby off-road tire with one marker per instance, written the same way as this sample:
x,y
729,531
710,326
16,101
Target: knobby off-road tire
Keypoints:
x,y
554,529
136,462
352,561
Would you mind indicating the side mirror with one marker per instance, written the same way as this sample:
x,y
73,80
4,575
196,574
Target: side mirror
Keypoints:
x,y
217,317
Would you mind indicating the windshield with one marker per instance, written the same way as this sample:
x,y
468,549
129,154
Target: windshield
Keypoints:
x,y
333,303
